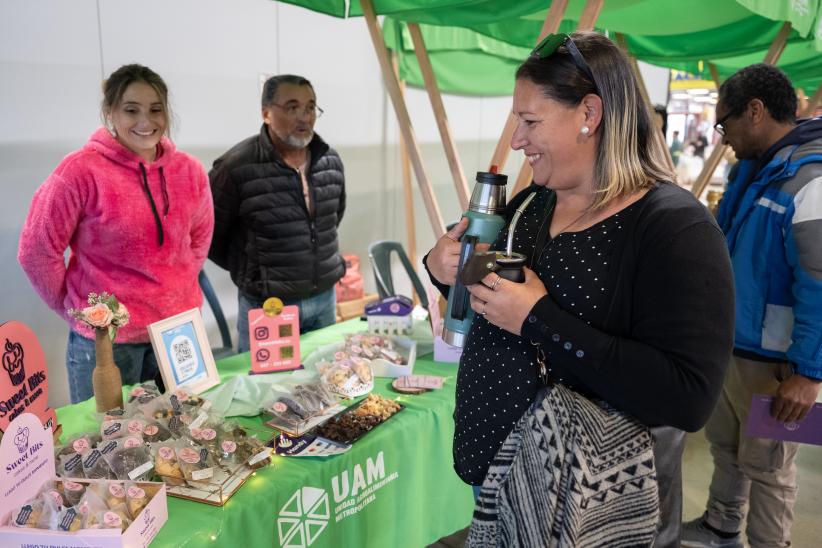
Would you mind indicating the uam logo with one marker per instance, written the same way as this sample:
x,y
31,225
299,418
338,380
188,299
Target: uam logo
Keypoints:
x,y
21,439
303,517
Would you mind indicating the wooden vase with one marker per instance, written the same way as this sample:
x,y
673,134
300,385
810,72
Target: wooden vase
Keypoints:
x,y
106,379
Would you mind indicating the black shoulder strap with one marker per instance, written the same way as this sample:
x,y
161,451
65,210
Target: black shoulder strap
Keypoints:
x,y
544,229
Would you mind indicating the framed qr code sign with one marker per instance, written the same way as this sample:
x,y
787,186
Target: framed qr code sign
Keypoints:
x,y
183,352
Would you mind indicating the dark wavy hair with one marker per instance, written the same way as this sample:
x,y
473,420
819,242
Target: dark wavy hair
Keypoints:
x,y
114,87
629,158
764,82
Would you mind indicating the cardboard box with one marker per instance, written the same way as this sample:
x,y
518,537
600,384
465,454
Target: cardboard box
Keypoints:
x,y
27,461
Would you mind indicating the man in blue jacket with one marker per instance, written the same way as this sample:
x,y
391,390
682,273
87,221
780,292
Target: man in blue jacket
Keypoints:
x,y
772,217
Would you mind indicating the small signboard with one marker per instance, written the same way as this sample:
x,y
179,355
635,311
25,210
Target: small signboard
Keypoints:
x,y
23,381
274,339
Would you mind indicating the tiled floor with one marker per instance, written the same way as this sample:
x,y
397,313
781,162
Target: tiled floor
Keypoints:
x,y
697,470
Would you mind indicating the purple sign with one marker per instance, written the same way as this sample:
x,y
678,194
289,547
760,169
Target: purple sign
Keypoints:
x,y
762,425
398,305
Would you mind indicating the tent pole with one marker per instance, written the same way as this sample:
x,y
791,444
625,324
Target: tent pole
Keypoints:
x,y
776,49
812,102
714,74
551,24
408,192
590,14
451,153
658,136
401,110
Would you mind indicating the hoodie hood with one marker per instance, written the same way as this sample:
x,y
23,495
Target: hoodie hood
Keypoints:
x,y
103,142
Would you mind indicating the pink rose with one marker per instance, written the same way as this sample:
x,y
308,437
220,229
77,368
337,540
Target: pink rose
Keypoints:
x,y
98,316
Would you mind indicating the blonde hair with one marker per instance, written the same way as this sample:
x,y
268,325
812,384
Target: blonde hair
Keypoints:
x,y
628,158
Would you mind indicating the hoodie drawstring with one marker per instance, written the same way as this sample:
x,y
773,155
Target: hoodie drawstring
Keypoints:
x,y
157,220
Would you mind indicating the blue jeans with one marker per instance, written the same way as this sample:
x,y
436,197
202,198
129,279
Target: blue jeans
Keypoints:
x,y
315,312
136,362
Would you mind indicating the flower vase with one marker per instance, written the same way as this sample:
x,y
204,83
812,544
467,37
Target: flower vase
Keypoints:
x,y
106,380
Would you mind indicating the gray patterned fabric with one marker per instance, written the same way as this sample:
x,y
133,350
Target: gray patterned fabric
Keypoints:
x,y
571,473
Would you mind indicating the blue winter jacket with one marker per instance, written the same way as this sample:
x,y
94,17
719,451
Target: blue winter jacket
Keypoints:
x,y
771,214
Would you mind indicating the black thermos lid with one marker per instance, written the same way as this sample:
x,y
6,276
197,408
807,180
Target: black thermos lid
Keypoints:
x,y
492,178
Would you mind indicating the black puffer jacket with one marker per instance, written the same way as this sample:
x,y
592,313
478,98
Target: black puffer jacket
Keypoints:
x,y
263,233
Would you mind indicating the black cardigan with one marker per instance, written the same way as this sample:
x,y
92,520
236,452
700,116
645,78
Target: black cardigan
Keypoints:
x,y
667,339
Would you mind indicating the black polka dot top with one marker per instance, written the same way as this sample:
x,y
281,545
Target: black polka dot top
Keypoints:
x,y
498,374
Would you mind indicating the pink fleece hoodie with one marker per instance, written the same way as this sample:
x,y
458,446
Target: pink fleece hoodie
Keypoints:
x,y
95,203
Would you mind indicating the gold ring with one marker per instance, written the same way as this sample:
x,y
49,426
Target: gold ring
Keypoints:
x,y
496,283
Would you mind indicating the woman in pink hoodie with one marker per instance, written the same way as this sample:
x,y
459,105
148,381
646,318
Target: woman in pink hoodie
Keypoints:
x,y
137,216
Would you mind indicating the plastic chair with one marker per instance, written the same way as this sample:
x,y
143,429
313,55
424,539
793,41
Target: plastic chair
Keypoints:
x,y
380,255
208,292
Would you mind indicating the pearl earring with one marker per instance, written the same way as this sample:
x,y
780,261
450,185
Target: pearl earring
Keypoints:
x,y
585,130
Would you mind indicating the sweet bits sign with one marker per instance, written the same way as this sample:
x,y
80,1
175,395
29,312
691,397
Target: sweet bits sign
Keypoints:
x,y
23,381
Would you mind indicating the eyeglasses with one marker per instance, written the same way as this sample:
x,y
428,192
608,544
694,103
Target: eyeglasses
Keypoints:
x,y
719,126
292,111
551,43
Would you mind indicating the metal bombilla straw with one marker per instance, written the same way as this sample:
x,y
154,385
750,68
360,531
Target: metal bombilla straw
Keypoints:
x,y
509,248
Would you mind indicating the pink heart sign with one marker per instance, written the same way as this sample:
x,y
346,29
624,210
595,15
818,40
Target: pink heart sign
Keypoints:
x,y
23,380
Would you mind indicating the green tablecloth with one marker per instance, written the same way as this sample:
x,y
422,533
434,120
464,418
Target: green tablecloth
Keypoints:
x,y
395,488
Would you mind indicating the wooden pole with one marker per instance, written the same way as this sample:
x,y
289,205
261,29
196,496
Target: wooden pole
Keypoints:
x,y
551,24
401,110
776,49
457,173
590,14
812,102
408,195
714,74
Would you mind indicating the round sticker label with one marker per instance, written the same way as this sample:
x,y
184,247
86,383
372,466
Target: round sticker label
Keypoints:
x,y
135,426
117,490
72,486
80,445
112,520
135,492
229,446
166,452
151,430
139,391
189,455
58,498
280,407
132,442
207,434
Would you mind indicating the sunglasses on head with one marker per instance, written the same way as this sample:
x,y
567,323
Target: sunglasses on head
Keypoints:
x,y
551,43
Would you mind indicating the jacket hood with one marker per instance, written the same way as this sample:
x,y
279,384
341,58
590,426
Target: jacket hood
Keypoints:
x,y
103,142
805,131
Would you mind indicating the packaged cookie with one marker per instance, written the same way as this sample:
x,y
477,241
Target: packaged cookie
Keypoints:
x,y
166,465
114,428
112,492
89,504
70,466
254,453
129,459
206,437
109,519
38,513
95,466
155,432
73,492
195,463
69,520
54,489
143,393
136,498
342,378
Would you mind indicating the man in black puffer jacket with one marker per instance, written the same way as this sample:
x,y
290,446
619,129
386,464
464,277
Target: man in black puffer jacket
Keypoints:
x,y
278,199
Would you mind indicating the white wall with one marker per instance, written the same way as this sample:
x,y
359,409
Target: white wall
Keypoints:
x,y
212,53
